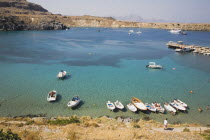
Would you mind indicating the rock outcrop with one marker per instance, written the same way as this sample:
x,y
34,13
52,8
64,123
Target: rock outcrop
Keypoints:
x,y
17,15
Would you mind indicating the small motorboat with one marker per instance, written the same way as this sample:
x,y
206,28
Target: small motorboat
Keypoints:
x,y
159,107
131,31
175,31
139,32
177,101
110,105
74,102
138,103
131,107
61,74
150,107
169,108
153,65
52,95
177,106
182,50
118,105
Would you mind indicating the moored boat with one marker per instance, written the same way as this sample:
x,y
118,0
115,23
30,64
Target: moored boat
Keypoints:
x,y
150,107
153,65
131,107
74,102
175,31
61,74
138,103
119,105
110,105
139,32
180,103
169,108
52,95
158,107
177,106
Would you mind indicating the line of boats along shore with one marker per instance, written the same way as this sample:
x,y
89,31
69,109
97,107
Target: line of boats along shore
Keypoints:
x,y
135,105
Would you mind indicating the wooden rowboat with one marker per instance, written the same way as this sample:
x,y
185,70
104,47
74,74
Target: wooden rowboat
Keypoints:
x,y
138,103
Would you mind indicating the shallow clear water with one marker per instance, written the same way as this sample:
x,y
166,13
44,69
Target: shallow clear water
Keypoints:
x,y
105,65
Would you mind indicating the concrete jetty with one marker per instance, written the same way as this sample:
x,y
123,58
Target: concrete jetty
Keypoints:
x,y
191,48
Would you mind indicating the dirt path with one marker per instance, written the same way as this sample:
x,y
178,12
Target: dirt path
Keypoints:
x,y
180,129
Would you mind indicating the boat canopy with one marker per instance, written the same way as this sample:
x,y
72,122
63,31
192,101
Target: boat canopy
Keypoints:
x,y
152,63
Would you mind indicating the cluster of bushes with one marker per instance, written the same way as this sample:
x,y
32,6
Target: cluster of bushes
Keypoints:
x,y
206,134
8,135
64,121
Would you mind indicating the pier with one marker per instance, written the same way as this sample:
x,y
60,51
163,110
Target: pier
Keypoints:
x,y
190,48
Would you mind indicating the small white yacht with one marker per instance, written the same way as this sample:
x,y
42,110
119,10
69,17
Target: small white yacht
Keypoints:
x,y
175,31
74,102
186,49
139,32
61,74
153,65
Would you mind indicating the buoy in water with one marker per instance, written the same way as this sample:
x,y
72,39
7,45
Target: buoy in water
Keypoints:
x,y
174,68
200,109
191,91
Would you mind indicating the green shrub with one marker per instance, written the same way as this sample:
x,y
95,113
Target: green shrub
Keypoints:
x,y
8,135
29,122
136,126
64,121
146,118
186,130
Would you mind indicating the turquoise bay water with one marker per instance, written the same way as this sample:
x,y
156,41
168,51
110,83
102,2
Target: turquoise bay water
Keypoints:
x,y
105,65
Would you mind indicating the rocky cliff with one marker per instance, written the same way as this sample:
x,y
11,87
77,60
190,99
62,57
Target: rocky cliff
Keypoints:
x,y
23,15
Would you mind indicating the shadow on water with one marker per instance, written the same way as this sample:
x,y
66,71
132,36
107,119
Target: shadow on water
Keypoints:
x,y
59,97
65,78
78,106
124,109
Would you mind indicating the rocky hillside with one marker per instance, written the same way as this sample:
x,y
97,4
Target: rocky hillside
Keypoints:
x,y
18,15
89,21
23,15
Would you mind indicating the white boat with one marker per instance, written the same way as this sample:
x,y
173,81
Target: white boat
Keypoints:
x,y
61,74
159,107
177,106
186,49
178,50
52,95
110,105
150,107
175,31
138,103
74,102
139,32
153,65
180,103
131,31
118,105
169,108
131,107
